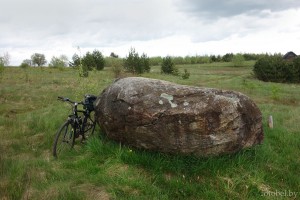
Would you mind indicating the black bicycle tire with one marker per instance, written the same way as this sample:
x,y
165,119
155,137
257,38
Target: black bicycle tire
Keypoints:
x,y
59,134
89,119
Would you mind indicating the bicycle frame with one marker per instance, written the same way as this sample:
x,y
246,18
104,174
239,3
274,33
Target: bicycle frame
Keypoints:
x,y
75,120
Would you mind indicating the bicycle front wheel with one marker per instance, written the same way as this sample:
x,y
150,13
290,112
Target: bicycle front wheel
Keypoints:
x,y
64,139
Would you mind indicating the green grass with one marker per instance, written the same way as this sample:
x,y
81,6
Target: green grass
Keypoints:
x,y
103,169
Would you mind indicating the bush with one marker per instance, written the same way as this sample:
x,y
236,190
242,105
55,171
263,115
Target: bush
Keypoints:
x,y
28,62
94,60
168,66
83,71
59,62
276,69
135,64
145,62
186,74
227,57
98,59
88,61
24,65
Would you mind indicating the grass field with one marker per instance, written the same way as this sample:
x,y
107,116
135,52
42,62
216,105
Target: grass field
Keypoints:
x,y
102,169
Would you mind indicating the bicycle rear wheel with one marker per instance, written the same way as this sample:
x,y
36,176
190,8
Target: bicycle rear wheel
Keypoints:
x,y
64,139
89,126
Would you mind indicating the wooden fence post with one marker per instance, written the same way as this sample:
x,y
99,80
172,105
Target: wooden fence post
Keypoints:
x,y
271,125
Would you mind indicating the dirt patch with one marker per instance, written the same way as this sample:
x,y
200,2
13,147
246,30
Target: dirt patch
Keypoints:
x,y
29,193
94,192
117,169
36,139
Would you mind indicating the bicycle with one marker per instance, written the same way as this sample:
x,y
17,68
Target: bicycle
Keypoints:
x,y
80,122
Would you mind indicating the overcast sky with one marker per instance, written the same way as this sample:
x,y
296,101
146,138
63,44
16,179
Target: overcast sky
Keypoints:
x,y
156,27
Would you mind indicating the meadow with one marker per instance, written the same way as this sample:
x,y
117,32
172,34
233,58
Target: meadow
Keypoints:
x,y
102,169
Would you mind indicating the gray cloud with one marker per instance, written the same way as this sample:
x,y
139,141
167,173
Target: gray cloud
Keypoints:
x,y
52,25
214,9
103,21
215,20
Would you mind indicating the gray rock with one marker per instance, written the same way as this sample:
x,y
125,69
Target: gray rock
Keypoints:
x,y
167,117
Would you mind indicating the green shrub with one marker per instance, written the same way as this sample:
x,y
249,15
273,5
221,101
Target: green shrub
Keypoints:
x,y
83,71
59,62
135,64
276,69
227,57
145,62
275,92
24,65
98,59
88,61
168,66
186,74
94,60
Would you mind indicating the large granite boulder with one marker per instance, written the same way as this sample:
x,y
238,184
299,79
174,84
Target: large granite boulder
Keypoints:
x,y
167,117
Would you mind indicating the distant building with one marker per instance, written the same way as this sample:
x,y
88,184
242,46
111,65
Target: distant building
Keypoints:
x,y
289,56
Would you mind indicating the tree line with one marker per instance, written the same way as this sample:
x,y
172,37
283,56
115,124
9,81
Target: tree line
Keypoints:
x,y
138,64
133,62
96,60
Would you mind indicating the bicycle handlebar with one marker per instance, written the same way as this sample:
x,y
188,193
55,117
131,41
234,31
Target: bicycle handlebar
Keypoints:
x,y
68,100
